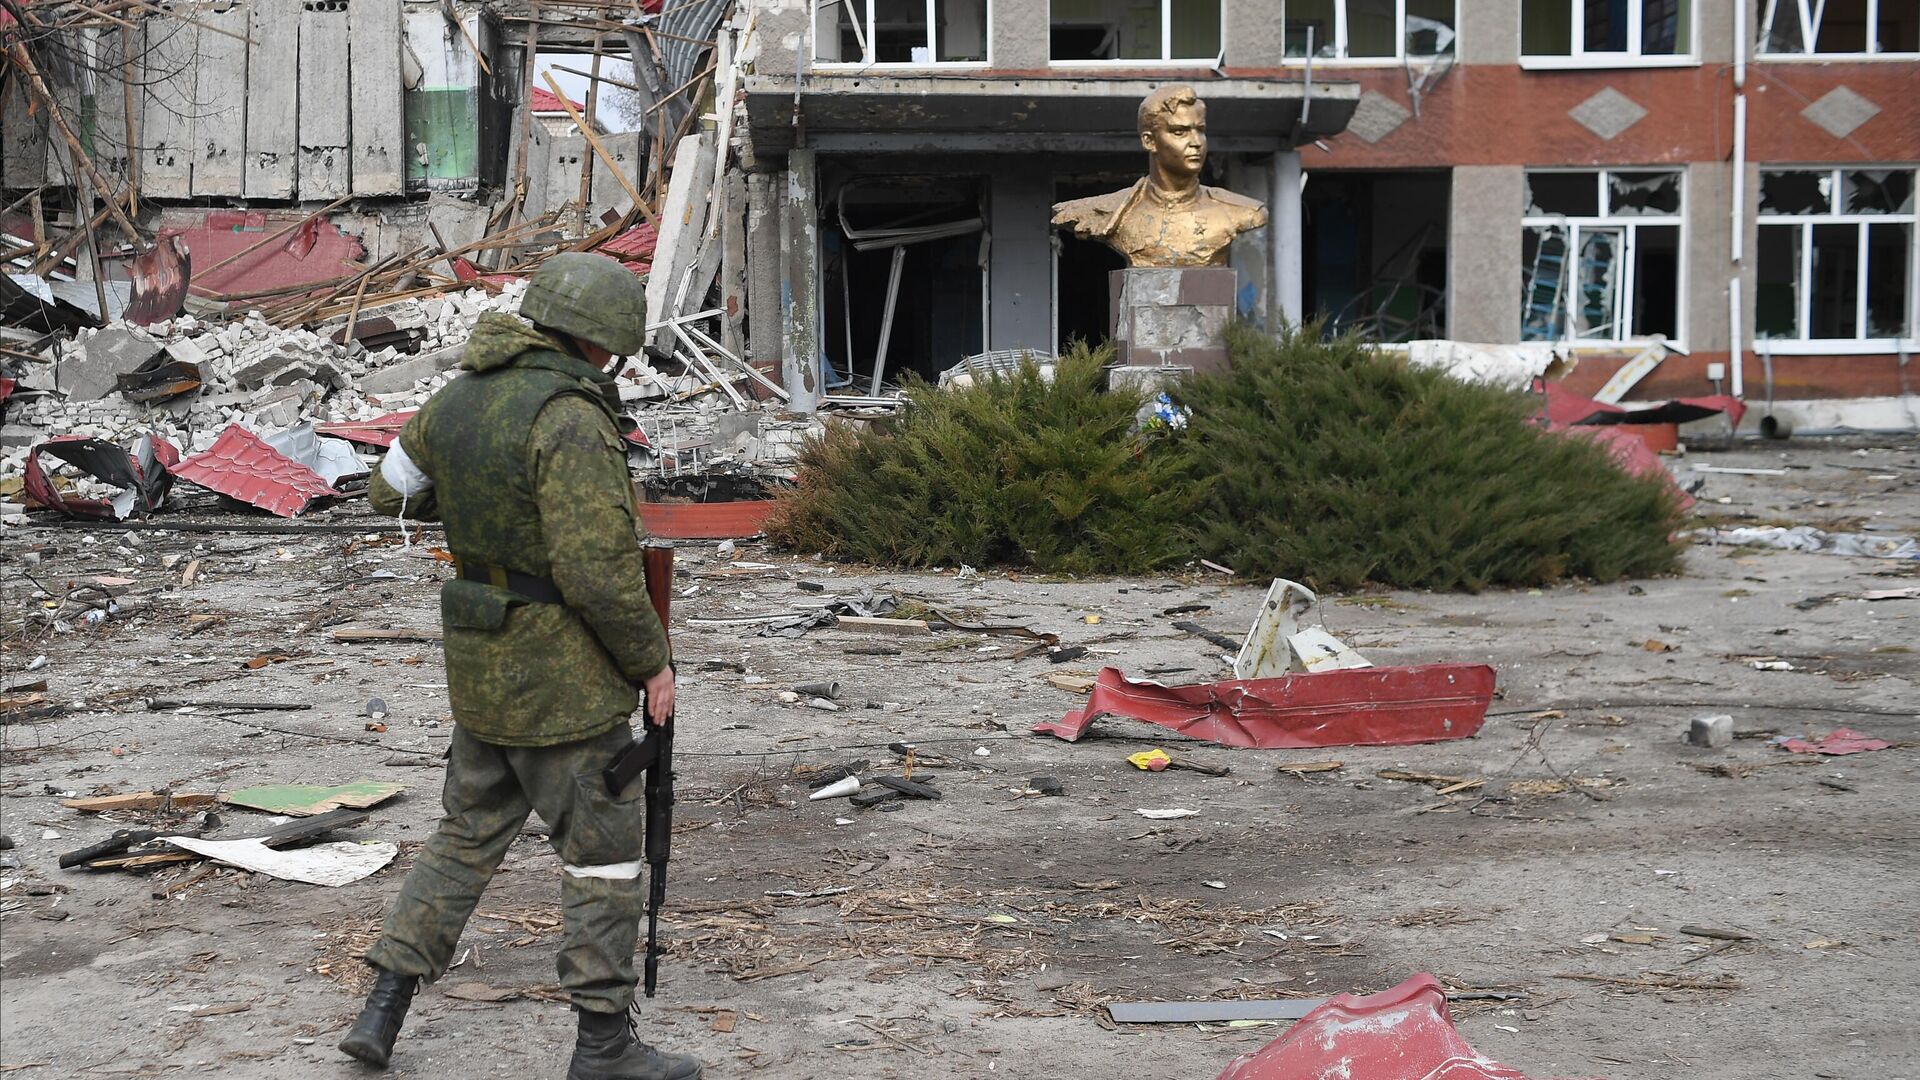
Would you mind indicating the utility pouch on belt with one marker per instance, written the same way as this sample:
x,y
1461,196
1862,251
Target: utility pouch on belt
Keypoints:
x,y
533,587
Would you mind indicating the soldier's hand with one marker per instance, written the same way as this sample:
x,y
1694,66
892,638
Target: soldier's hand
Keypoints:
x,y
660,697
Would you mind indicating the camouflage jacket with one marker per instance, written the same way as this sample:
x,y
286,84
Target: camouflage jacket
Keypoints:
x,y
530,474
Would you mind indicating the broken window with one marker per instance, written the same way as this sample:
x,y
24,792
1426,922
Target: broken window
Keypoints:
x,y
900,31
1601,255
1844,27
1134,29
1836,255
1610,30
1368,29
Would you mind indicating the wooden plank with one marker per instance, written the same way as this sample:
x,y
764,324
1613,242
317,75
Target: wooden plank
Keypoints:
x,y
170,81
883,626
359,633
325,168
378,121
220,128
23,140
140,800
273,104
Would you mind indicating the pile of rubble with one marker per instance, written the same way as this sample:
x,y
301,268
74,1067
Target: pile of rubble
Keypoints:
x,y
189,380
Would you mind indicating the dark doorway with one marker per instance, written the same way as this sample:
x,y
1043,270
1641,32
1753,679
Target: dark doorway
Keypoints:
x,y
932,227
1376,253
1083,302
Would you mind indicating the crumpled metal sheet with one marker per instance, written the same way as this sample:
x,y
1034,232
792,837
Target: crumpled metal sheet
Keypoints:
x,y
1566,408
141,473
1400,1034
160,278
241,465
1835,743
379,431
1378,706
333,459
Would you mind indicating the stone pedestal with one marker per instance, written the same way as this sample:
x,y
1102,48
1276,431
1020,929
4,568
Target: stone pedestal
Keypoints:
x,y
1172,317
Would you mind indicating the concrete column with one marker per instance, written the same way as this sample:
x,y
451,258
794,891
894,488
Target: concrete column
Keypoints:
x,y
1285,241
800,276
1018,39
764,268
1489,32
1020,260
1483,253
1705,268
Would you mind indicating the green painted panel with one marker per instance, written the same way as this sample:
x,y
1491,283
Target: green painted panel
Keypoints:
x,y
446,121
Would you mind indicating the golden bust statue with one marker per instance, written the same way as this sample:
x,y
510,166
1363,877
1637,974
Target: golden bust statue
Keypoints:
x,y
1167,218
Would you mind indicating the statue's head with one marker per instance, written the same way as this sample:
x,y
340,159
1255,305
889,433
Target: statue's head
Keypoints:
x,y
1173,130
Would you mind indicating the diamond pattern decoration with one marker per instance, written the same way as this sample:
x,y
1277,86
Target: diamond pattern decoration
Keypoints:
x,y
1607,113
1377,116
1840,111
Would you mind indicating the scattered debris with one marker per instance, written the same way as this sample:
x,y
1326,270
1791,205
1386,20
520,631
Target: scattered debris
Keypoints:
x,y
142,474
1276,644
1211,1012
308,800
164,801
1808,538
1402,1032
331,864
1046,785
1170,814
1299,768
1711,731
244,466
1362,706
1833,744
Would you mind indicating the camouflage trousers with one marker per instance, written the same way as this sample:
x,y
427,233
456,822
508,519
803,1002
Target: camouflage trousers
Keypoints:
x,y
601,840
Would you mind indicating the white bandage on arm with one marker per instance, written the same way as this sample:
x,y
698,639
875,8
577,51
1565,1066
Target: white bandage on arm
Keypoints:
x,y
399,471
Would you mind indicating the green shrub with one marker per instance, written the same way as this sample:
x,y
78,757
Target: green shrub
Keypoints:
x,y
1336,465
1014,470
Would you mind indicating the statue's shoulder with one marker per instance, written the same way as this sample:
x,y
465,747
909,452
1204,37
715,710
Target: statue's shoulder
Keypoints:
x,y
1235,199
1093,211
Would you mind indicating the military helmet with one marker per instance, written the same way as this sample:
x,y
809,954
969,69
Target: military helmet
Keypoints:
x,y
591,297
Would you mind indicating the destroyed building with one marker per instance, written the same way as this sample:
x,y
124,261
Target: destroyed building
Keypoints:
x,y
1685,195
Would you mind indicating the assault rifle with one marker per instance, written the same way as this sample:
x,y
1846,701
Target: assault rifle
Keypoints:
x,y
652,754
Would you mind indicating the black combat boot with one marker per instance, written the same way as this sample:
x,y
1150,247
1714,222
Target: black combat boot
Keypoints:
x,y
371,1037
608,1049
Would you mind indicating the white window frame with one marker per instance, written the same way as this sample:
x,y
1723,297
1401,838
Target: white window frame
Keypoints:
x,y
1166,46
1579,57
1629,227
1341,59
867,63
1803,274
1809,13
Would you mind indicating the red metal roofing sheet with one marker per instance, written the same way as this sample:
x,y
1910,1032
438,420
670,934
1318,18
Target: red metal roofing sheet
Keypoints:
x,y
1374,706
241,465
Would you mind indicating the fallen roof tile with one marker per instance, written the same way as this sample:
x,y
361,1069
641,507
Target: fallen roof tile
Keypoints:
x,y
241,465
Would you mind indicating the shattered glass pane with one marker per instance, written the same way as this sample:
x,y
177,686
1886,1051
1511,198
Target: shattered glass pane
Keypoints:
x,y
1798,192
1571,194
1656,281
1781,33
1597,284
1606,24
900,32
1543,251
839,31
1309,18
1429,27
1843,26
961,27
1889,297
1664,27
1633,194
1776,296
1836,281
1370,28
1877,191
1196,29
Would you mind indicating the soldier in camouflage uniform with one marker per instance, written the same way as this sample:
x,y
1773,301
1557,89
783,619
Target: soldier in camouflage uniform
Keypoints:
x,y
549,636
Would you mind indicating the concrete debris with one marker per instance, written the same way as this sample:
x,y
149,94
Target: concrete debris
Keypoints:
x,y
188,379
1808,538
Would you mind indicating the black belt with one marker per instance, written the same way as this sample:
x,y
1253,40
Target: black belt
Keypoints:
x,y
535,588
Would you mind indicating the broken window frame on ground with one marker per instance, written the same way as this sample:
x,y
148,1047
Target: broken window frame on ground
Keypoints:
x,y
1440,38
1066,15
1800,228
827,21
1791,30
1606,218
1535,28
